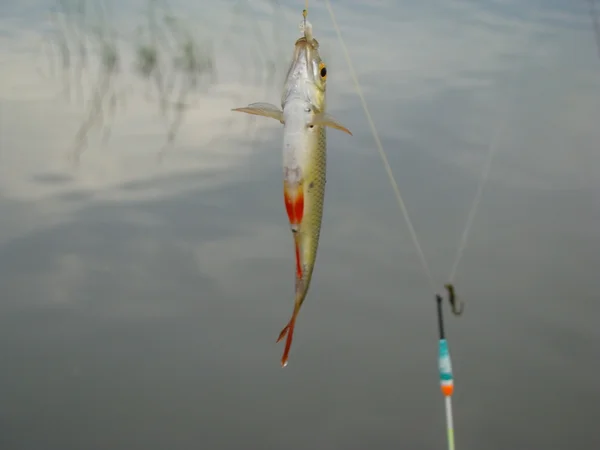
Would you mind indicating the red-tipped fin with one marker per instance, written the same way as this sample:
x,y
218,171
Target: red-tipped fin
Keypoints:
x,y
288,331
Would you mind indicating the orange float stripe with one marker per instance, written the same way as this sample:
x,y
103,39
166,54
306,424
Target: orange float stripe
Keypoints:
x,y
447,389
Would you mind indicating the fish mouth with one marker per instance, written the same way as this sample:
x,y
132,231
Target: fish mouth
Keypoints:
x,y
309,50
313,42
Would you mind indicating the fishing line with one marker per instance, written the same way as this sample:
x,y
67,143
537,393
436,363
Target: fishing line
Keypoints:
x,y
386,164
444,362
484,177
492,150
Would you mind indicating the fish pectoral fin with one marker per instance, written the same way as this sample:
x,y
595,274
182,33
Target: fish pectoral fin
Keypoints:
x,y
326,120
263,109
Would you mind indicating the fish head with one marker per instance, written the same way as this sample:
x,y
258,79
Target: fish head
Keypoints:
x,y
306,79
303,97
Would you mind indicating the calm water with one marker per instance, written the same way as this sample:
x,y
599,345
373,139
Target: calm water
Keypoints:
x,y
141,300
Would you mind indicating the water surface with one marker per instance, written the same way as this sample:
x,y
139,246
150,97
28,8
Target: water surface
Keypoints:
x,y
141,299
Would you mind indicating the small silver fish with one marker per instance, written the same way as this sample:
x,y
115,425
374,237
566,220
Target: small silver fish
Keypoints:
x,y
304,122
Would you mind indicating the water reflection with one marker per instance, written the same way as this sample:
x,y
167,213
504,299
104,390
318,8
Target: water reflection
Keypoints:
x,y
141,302
169,58
594,14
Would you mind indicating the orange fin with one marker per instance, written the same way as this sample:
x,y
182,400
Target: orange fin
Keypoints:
x,y
288,331
294,205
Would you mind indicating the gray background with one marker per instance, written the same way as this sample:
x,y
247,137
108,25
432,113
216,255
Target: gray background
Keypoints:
x,y
141,301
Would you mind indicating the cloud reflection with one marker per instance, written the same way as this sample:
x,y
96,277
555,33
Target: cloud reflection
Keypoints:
x,y
145,298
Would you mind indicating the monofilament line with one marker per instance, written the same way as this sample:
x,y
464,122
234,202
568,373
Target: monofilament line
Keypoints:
x,y
483,180
492,150
386,164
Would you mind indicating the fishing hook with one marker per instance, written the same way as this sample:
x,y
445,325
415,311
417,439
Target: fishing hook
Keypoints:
x,y
457,309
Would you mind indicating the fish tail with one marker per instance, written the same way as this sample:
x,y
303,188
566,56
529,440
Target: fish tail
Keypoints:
x,y
288,333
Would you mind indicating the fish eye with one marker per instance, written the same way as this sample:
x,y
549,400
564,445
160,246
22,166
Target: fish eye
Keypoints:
x,y
323,70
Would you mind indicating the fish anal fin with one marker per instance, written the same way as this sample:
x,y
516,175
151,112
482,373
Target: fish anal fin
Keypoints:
x,y
327,120
293,196
262,109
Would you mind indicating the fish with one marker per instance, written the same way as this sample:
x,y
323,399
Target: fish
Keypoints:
x,y
305,120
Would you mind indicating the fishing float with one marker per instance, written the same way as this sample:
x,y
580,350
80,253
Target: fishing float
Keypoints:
x,y
445,363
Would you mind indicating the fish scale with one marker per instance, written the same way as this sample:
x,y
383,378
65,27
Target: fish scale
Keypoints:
x,y
310,227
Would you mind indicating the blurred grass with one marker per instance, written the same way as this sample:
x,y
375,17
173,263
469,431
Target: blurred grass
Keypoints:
x,y
172,58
